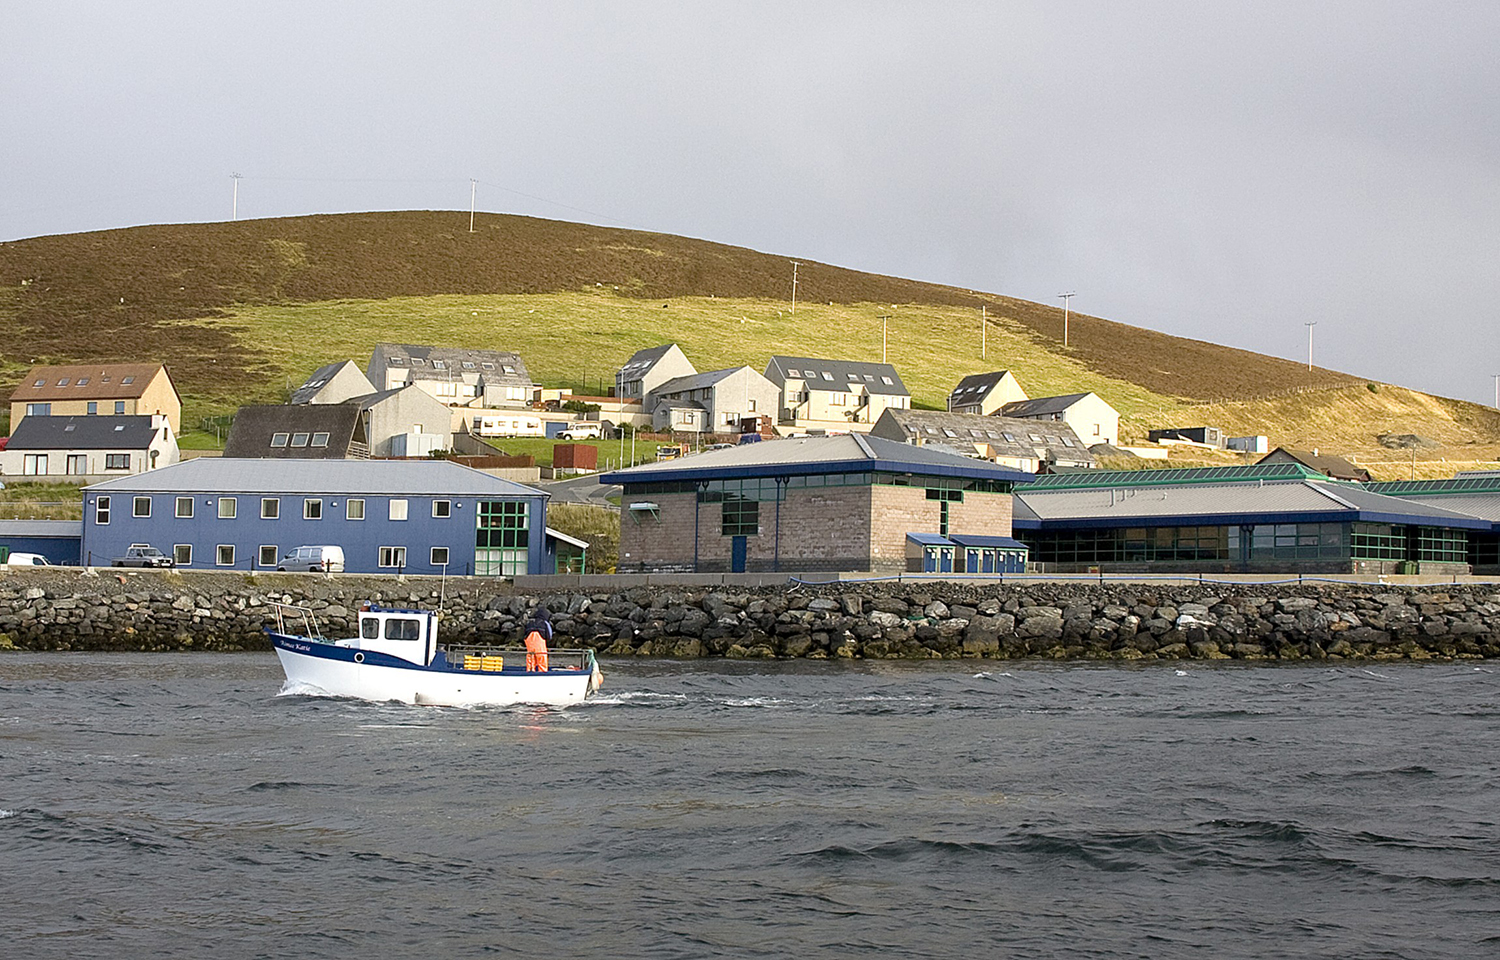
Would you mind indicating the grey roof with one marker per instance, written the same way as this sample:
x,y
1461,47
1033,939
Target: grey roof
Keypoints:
x,y
642,360
696,381
222,475
975,387
836,375
319,378
1475,474
41,528
1484,505
1008,437
255,427
448,363
680,405
1283,501
810,455
1040,406
83,433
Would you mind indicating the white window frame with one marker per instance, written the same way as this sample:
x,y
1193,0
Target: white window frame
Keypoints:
x,y
274,503
312,508
101,512
275,554
397,508
447,509
135,507
349,508
219,560
432,557
228,508
182,554
179,506
393,558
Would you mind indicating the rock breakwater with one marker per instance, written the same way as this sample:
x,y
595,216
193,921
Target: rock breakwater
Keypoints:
x,y
1120,621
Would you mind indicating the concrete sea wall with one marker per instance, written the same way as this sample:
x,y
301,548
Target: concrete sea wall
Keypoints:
x,y
56,610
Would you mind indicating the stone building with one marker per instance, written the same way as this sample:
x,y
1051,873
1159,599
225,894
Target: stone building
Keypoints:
x,y
840,503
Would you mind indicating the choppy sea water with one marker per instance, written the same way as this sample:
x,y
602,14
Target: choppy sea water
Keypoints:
x,y
176,805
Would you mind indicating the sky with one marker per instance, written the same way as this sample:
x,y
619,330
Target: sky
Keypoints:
x,y
1224,171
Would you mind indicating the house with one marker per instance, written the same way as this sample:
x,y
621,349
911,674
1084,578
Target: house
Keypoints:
x,y
832,503
456,376
1088,414
324,431
85,447
1336,468
334,383
840,394
1204,436
1023,444
650,368
985,393
98,389
713,402
389,516
1261,518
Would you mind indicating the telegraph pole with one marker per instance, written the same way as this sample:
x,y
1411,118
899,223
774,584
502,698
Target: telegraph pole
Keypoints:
x,y
884,319
1497,388
1065,297
473,187
795,265
234,210
984,322
1309,324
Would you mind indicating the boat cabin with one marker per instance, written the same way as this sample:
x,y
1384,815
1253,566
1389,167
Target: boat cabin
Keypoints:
x,y
408,634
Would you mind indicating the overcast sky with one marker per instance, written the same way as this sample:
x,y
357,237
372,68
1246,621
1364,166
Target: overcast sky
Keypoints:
x,y
1216,170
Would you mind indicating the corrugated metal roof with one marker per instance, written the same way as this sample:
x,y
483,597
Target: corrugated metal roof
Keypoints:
x,y
1462,483
83,433
1228,503
344,477
41,528
1177,476
810,455
1486,505
975,540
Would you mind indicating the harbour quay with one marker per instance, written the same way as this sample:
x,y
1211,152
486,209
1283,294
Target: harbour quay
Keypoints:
x,y
1073,620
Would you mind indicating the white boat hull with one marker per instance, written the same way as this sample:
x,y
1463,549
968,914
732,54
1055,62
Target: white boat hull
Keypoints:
x,y
334,671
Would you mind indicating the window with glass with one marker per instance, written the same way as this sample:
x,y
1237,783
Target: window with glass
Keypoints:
x,y
227,507
224,555
1377,541
320,439
34,464
354,509
442,508
280,439
93,407
398,510
1442,545
740,517
502,538
299,439
439,556
119,407
182,554
312,509
391,557
78,464
269,554
184,508
117,461
270,508
39,409
141,507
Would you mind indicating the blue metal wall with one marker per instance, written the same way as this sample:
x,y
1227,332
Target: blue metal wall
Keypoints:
x,y
59,550
247,531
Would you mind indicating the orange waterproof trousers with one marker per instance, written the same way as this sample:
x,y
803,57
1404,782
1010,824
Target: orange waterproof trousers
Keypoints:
x,y
536,651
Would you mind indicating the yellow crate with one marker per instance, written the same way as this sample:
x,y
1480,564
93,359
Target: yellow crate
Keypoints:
x,y
494,663
472,662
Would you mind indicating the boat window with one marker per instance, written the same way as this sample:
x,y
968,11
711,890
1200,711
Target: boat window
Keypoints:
x,y
403,628
369,628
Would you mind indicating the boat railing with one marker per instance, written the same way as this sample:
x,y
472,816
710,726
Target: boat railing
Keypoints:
x,y
515,655
291,613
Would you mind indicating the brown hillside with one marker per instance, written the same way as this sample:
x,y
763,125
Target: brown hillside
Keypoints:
x,y
109,294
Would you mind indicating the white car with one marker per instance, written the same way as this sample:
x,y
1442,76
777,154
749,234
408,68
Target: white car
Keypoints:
x,y
580,431
28,560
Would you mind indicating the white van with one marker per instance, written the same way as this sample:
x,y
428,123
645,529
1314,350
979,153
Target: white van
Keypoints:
x,y
315,559
28,560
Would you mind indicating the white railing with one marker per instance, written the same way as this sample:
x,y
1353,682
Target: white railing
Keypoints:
x,y
285,612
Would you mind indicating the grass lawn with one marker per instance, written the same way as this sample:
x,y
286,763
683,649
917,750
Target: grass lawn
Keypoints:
x,y
21,500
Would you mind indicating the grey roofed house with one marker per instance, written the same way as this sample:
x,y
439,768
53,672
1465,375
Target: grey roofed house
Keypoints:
x,y
1041,406
84,433
985,393
321,431
333,383
991,437
1327,464
466,374
344,477
648,369
835,375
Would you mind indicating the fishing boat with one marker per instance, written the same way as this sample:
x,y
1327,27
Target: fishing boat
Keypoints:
x,y
396,656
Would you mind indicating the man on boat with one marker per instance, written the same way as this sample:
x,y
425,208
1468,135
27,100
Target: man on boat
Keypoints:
x,y
538,632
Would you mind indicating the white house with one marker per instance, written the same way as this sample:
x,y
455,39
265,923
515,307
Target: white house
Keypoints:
x,y
841,394
89,447
713,402
456,376
650,368
985,393
1094,420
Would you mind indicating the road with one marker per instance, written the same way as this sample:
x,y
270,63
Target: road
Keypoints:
x,y
584,489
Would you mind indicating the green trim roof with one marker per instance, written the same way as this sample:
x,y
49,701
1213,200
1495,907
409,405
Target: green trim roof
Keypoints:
x,y
1401,488
1175,477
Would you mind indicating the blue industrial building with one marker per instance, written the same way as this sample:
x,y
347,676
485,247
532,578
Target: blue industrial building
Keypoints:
x,y
57,540
389,516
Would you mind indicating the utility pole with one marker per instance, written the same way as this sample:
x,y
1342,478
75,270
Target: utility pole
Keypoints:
x,y
884,319
795,265
1497,388
234,210
984,322
1309,324
1065,297
473,186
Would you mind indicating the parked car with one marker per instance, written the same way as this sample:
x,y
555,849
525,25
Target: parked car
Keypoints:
x,y
580,431
141,555
314,559
28,560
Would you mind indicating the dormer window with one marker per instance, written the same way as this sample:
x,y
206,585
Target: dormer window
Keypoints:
x,y
507,368
886,380
790,373
468,364
418,362
487,365
439,365
827,375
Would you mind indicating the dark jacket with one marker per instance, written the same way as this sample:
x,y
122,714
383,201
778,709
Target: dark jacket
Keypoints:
x,y
541,623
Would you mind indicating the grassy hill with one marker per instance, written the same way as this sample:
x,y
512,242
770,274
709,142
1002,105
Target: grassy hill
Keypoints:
x,y
241,310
